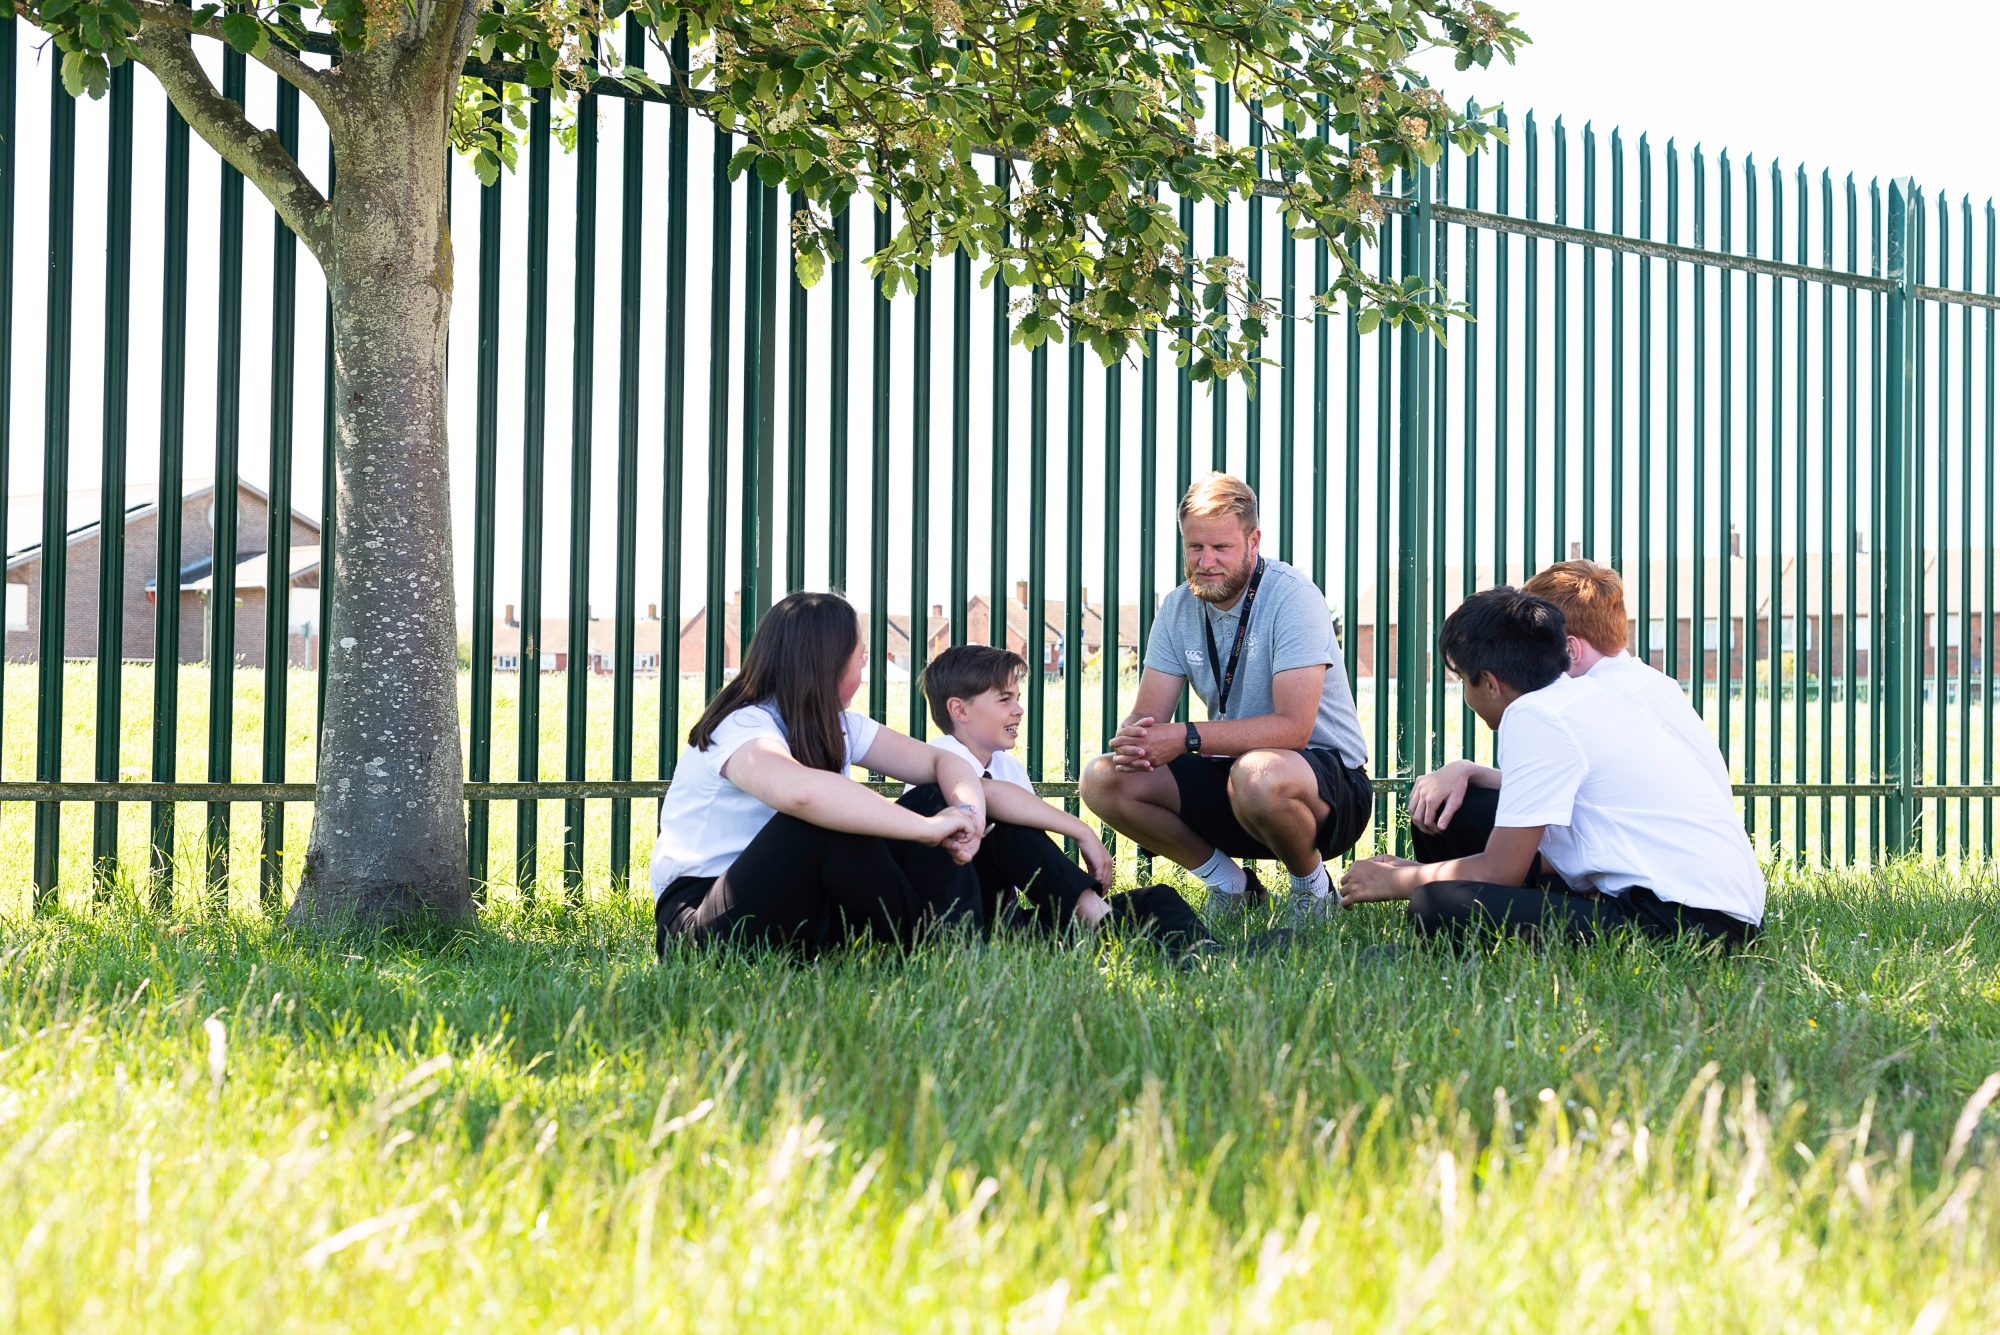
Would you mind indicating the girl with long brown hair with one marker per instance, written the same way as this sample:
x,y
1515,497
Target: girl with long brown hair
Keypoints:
x,y
764,837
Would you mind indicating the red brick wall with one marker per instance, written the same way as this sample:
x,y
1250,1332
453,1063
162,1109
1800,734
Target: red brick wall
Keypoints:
x,y
80,603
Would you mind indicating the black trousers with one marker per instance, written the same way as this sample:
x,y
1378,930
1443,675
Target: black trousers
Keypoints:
x,y
807,889
1544,906
1026,882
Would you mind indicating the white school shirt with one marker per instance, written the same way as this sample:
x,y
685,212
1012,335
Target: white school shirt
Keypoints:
x,y
1647,685
706,821
1623,802
1003,768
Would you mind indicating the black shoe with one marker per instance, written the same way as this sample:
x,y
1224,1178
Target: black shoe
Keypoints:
x,y
1194,957
1382,952
1277,941
1255,896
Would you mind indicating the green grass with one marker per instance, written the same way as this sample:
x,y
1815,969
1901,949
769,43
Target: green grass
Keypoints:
x,y
533,1126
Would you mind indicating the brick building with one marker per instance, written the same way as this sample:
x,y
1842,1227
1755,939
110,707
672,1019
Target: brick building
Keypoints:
x,y
1952,625
197,569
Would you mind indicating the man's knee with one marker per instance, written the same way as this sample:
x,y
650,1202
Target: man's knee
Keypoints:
x,y
1260,780
1102,783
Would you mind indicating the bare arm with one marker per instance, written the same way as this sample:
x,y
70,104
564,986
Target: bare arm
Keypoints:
x,y
1158,693
764,769
1005,802
1510,852
1148,743
908,759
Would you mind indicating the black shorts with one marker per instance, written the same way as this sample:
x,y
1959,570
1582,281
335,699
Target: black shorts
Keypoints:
x,y
1204,789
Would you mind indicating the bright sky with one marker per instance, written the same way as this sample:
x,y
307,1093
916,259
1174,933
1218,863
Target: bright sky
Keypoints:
x,y
1830,83
1889,90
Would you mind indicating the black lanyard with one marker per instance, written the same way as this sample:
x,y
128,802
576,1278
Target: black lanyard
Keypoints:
x,y
1228,677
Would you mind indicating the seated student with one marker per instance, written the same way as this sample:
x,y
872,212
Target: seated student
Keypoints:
x,y
1451,809
764,837
974,692
1632,830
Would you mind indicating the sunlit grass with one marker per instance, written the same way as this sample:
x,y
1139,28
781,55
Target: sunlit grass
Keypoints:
x,y
532,1125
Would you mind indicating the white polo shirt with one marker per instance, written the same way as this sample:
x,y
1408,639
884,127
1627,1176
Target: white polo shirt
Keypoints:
x,y
1647,685
1624,803
1003,768
706,821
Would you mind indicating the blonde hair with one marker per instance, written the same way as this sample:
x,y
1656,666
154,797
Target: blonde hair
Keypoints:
x,y
1220,494
1591,598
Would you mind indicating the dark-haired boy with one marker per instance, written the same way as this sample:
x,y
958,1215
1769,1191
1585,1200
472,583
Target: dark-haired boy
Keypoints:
x,y
974,693
1631,829
1451,808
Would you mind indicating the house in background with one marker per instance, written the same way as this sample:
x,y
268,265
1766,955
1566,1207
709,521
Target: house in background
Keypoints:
x,y
548,646
511,645
141,583
1952,627
1055,616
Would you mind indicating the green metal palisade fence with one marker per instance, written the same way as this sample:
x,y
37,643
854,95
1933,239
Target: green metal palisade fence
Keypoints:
x,y
1785,444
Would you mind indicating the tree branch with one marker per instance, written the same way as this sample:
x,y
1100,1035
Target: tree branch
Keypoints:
x,y
167,52
446,35
279,59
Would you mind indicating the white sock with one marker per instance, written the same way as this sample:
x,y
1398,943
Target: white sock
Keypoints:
x,y
1315,883
1221,874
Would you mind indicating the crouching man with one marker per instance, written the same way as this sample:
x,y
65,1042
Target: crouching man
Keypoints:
x,y
1278,770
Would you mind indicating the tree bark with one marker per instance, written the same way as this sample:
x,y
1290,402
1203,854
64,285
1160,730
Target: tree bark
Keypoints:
x,y
388,837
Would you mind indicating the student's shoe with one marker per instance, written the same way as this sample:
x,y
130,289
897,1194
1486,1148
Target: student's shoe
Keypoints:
x,y
1195,956
1277,941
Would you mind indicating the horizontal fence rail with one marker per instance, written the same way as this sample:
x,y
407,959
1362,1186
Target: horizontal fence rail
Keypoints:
x,y
1768,399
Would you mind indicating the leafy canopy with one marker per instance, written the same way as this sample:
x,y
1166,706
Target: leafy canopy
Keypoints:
x,y
1038,134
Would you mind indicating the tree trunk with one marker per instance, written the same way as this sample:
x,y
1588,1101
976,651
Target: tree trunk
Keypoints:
x,y
388,837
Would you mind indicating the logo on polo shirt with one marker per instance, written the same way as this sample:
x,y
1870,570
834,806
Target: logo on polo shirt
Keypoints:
x,y
1194,656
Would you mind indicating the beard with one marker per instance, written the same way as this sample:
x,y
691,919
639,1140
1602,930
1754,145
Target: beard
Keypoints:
x,y
1221,592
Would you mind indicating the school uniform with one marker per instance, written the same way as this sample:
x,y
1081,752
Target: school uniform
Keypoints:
x,y
1662,696
1278,623
1024,879
1636,833
790,883
1640,684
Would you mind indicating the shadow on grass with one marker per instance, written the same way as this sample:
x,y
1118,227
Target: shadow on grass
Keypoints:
x,y
1863,989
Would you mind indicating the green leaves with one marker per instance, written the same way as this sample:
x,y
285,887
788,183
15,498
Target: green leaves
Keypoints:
x,y
1037,134
85,72
246,34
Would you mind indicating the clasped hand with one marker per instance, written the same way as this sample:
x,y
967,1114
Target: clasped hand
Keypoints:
x,y
958,832
1143,745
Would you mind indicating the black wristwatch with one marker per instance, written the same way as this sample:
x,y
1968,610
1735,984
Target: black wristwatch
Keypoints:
x,y
1193,739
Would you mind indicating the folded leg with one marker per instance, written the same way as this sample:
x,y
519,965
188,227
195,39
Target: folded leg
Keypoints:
x,y
1161,913
800,886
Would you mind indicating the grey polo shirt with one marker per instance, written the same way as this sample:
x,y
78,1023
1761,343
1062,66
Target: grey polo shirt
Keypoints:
x,y
1290,627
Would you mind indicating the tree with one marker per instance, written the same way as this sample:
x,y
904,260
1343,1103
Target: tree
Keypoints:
x,y
1092,105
